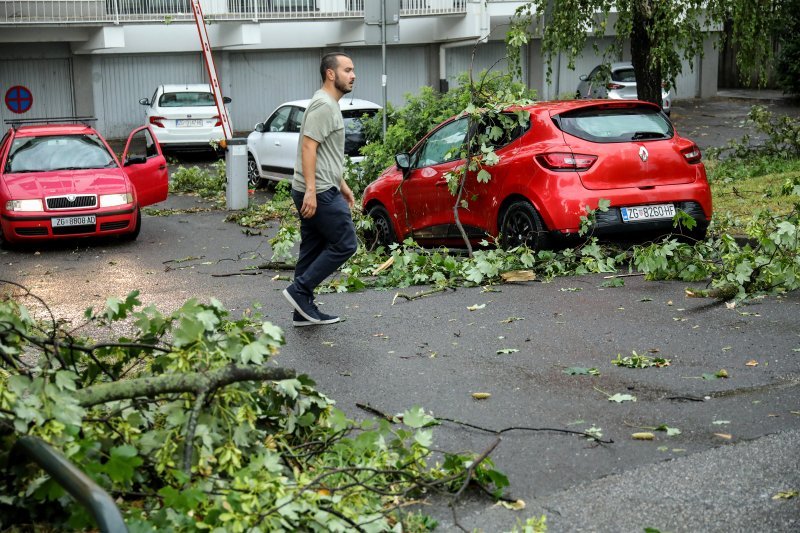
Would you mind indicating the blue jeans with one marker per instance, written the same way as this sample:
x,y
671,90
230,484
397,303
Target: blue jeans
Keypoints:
x,y
327,239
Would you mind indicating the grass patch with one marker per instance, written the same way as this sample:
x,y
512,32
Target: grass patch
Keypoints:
x,y
742,187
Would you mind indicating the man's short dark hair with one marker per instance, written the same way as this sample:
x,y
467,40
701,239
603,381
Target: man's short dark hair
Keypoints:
x,y
330,61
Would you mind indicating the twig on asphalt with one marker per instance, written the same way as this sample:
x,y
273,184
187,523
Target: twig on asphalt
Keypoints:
x,y
471,470
419,294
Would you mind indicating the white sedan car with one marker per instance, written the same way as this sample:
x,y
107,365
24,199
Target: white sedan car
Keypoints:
x,y
621,85
272,146
184,117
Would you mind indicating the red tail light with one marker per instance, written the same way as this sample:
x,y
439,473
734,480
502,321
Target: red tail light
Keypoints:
x,y
156,121
614,86
218,119
560,161
692,154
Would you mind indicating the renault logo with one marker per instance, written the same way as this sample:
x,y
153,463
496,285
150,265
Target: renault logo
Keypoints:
x,y
71,198
643,154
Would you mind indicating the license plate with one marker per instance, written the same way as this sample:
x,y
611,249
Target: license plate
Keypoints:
x,y
638,213
73,221
189,123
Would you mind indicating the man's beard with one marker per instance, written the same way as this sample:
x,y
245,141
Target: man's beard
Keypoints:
x,y
341,85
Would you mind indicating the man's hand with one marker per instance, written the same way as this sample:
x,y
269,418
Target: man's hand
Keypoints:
x,y
309,206
347,194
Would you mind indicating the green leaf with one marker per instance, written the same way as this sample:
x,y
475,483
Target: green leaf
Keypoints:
x,y
255,352
619,398
505,351
424,438
122,463
417,418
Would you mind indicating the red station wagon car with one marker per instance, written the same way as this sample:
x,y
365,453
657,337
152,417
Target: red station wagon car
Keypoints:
x,y
569,156
64,181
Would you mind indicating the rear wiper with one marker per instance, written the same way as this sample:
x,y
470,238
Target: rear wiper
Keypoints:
x,y
647,135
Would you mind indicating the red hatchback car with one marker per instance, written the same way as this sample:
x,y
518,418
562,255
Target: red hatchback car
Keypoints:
x,y
569,156
64,181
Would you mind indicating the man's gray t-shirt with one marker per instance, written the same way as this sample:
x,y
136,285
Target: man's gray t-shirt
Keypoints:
x,y
322,122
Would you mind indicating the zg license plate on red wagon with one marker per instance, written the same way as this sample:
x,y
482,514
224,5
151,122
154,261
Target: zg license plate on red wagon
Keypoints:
x,y
73,221
639,213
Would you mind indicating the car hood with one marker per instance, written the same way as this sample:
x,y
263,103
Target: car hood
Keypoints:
x,y
57,183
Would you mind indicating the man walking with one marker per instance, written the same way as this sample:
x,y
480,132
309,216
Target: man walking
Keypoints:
x,y
322,197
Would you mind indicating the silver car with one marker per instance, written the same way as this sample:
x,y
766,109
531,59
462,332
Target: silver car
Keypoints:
x,y
618,84
272,146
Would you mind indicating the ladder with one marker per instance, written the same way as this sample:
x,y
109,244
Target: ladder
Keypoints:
x,y
211,68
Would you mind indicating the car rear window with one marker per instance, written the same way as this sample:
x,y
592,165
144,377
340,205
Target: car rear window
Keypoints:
x,y
354,136
625,74
58,152
615,124
186,99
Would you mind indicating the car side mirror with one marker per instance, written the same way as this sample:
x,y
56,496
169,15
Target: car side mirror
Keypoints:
x,y
259,127
144,101
226,99
135,160
582,77
403,161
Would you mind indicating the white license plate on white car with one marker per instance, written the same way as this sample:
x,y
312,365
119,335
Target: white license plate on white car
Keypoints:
x,y
638,213
73,221
189,123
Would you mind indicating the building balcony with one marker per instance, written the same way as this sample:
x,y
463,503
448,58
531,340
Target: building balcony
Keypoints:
x,y
90,12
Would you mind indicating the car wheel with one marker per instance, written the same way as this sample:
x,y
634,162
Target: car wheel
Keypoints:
x,y
4,244
521,224
132,236
577,95
253,177
382,233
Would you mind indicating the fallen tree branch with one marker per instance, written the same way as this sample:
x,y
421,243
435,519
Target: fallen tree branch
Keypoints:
x,y
470,471
276,265
176,383
245,273
419,294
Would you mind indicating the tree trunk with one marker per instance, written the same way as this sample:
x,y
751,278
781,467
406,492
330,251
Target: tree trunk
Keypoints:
x,y
648,70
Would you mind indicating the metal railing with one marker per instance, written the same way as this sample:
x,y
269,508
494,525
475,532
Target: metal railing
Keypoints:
x,y
20,12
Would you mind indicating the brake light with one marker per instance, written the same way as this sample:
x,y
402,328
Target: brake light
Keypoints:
x,y
614,86
218,121
561,161
692,154
156,121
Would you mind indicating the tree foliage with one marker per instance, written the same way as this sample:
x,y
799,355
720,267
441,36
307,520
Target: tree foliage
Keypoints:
x,y
188,423
662,33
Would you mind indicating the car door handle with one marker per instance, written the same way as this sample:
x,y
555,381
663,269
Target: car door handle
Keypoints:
x,y
162,167
277,143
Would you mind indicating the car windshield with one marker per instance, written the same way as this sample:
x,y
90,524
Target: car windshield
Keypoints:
x,y
609,125
187,99
354,137
58,152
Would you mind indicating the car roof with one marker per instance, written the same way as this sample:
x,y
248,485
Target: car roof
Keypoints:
x,y
55,129
186,87
560,106
621,65
345,103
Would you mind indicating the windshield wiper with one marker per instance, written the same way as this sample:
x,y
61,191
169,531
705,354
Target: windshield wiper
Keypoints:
x,y
647,135
70,168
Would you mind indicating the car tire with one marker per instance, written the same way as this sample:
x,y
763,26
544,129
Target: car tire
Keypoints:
x,y
382,233
522,225
254,180
132,236
577,95
4,244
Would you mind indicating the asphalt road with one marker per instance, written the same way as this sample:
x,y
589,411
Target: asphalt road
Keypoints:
x,y
739,437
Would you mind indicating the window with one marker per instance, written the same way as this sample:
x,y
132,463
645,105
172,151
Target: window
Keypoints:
x,y
616,124
443,145
279,121
624,75
142,145
58,152
187,99
354,137
507,129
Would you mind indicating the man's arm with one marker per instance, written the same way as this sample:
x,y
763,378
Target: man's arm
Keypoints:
x,y
309,162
